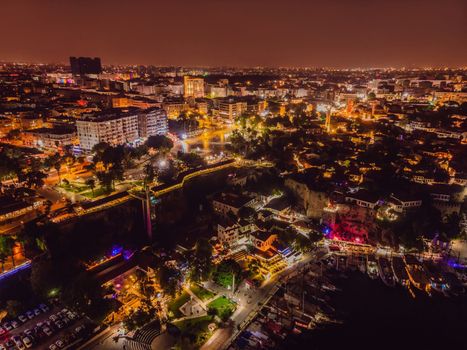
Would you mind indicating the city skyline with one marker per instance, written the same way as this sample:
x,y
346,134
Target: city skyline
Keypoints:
x,y
233,175
336,34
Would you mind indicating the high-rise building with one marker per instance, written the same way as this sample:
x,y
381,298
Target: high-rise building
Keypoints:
x,y
193,87
121,127
85,65
152,122
114,129
230,108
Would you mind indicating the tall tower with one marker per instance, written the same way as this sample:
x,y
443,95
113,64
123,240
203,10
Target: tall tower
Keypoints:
x,y
328,120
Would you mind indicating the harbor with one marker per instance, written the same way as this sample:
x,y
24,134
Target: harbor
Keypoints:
x,y
315,301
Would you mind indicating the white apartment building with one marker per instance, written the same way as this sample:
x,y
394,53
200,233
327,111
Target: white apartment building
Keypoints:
x,y
112,129
152,122
193,87
230,109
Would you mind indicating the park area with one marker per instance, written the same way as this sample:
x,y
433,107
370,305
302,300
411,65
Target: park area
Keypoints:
x,y
222,307
90,191
197,330
202,293
175,304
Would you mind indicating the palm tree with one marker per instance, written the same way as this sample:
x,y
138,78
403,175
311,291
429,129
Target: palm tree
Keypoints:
x,y
57,167
3,258
91,183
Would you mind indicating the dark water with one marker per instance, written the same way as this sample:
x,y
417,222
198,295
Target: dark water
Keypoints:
x,y
379,317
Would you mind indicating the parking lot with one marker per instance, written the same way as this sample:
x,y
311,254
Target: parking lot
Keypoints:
x,y
43,327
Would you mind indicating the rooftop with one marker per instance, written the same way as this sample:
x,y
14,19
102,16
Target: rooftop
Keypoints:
x,y
232,200
363,195
278,204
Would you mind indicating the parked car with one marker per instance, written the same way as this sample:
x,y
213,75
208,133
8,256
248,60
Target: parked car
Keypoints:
x,y
60,343
53,347
39,333
53,318
49,324
59,324
7,326
27,341
9,344
30,314
47,331
43,307
22,318
71,315
79,329
2,331
15,324
18,342
30,334
37,312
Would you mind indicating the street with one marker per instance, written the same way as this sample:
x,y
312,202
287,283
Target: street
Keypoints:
x,y
245,312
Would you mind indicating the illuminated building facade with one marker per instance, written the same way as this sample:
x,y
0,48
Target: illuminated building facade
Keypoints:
x,y
152,122
193,87
112,129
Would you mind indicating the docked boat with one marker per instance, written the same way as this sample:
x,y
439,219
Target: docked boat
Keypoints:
x,y
385,272
400,274
417,274
372,267
362,264
437,279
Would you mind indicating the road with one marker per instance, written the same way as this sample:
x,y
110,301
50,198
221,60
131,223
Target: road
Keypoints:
x,y
210,141
249,304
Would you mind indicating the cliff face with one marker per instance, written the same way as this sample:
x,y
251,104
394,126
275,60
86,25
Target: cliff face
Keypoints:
x,y
312,201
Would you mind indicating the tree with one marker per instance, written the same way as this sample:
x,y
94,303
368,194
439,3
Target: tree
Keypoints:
x,y
451,225
13,134
105,180
225,272
149,173
91,183
47,207
7,245
3,259
58,167
108,163
191,160
44,280
54,161
32,237
169,279
237,142
35,178
202,261
159,142
14,308
315,236
82,292
138,318
9,166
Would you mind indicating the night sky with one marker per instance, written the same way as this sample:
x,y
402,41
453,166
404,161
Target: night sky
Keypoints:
x,y
329,33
